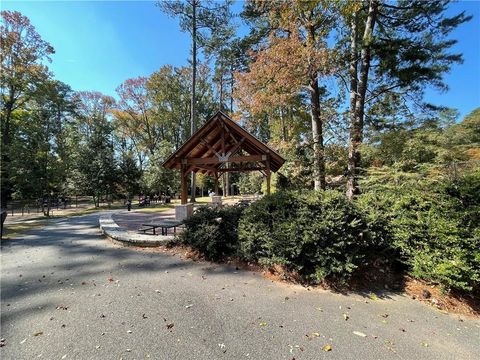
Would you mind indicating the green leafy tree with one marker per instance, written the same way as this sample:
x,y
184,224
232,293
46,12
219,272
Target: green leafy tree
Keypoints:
x,y
158,179
129,175
95,171
285,77
395,48
22,54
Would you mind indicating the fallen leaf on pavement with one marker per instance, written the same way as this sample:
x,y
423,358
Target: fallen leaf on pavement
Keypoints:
x,y
38,333
327,348
263,324
390,345
346,317
373,297
359,333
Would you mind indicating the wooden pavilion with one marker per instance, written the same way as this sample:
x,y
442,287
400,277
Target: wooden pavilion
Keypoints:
x,y
219,146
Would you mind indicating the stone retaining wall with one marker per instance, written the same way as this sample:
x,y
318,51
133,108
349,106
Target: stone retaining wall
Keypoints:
x,y
121,235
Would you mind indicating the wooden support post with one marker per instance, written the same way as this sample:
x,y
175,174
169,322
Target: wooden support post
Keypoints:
x,y
268,173
184,187
268,183
215,175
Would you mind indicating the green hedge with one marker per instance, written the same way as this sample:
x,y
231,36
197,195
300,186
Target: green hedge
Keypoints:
x,y
433,230
213,231
320,235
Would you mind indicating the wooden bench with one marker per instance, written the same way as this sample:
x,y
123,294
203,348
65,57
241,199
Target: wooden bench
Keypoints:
x,y
164,225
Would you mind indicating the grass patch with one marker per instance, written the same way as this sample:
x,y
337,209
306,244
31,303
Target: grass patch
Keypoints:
x,y
90,210
11,231
203,200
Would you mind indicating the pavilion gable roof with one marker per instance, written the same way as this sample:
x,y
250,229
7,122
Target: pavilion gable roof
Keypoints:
x,y
219,141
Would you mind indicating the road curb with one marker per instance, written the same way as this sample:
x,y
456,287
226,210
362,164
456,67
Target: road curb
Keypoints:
x,y
122,236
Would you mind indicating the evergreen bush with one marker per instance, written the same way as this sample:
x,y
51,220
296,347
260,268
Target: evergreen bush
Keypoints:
x,y
213,231
435,229
320,235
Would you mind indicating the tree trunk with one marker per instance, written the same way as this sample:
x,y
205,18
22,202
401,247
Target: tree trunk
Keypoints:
x,y
220,100
317,135
357,96
49,202
194,79
317,129
283,125
47,150
351,184
232,79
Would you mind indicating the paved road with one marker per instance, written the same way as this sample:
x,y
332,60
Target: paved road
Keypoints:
x,y
85,298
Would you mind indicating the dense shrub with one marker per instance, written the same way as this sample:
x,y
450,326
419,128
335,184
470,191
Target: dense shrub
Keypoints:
x,y
213,231
321,235
467,190
432,227
267,227
435,229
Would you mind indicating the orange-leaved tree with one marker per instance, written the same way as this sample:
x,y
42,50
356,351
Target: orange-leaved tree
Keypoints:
x,y
287,69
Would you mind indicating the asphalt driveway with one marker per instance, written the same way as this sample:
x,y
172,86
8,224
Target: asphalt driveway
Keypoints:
x,y
69,293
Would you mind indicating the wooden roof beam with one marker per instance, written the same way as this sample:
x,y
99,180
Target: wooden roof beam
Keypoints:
x,y
215,148
235,147
241,169
232,150
201,168
233,159
211,147
225,128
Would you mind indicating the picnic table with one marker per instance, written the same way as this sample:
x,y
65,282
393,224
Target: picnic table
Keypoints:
x,y
164,225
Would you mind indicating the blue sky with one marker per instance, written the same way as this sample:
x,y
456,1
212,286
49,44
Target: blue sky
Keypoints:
x,y
99,44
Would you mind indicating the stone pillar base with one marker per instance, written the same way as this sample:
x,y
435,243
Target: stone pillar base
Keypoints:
x,y
183,211
216,200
